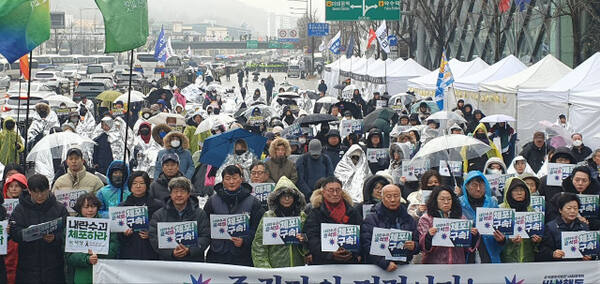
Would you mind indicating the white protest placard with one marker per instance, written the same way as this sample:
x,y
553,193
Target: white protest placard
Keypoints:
x,y
452,232
580,243
557,173
36,232
366,209
171,234
412,172
281,230
490,219
376,154
192,93
588,206
261,191
128,217
455,167
390,243
202,201
225,226
425,194
348,126
334,236
84,234
3,237
68,197
528,224
538,203
381,104
497,183
10,204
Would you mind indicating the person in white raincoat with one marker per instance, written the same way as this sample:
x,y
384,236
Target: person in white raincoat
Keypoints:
x,y
109,134
519,166
145,151
353,170
42,121
241,156
86,123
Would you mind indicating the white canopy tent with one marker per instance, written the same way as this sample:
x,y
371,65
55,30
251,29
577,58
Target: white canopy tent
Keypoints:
x,y
467,87
529,110
426,84
331,75
397,78
578,94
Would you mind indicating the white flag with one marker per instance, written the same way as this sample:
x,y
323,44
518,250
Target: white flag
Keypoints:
x,y
322,47
189,51
382,37
170,51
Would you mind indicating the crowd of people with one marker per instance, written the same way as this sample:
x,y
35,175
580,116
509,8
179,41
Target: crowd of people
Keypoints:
x,y
321,178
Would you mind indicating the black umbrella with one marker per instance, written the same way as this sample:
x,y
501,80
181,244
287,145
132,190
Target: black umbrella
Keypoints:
x,y
315,118
352,107
339,86
240,112
155,95
382,118
313,95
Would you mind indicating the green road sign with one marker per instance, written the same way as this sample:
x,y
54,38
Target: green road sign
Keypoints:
x,y
274,44
252,44
353,10
287,45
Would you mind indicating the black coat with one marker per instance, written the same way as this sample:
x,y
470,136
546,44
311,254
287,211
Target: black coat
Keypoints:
x,y
552,239
159,189
535,156
382,217
2,265
567,186
580,154
322,87
39,261
223,251
102,156
319,215
191,212
134,247
199,189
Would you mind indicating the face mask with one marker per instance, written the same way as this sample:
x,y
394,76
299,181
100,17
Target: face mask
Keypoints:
x,y
494,171
217,111
480,136
302,140
144,131
82,112
43,114
577,143
117,181
162,134
146,115
355,159
175,143
10,125
239,152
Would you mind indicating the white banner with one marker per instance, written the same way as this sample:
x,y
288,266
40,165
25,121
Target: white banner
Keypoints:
x,y
136,271
382,37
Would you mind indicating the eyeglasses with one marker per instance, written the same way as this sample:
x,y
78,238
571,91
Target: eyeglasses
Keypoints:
x,y
333,190
256,173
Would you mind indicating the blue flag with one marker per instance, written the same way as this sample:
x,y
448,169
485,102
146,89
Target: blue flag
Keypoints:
x,y
522,4
160,50
445,79
350,49
335,43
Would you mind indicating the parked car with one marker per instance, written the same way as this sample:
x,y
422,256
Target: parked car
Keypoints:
x,y
4,81
37,90
90,88
18,110
105,76
123,80
95,68
53,79
71,72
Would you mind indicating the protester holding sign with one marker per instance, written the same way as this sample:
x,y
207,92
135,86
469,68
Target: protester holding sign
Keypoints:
x,y
232,196
533,183
285,201
443,203
390,213
136,245
13,187
517,249
579,182
478,194
375,141
334,148
77,176
417,204
568,221
181,207
3,242
80,264
372,194
331,204
41,258
562,155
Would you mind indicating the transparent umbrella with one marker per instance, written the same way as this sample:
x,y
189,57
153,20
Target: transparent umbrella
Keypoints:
x,y
214,120
454,147
57,144
163,116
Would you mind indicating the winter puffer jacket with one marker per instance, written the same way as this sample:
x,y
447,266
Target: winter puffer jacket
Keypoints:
x,y
275,256
552,237
318,215
133,246
38,259
191,212
80,269
285,167
238,202
310,170
441,255
385,218
526,250
186,164
159,188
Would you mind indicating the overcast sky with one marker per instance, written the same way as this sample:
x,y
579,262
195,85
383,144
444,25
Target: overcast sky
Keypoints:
x,y
282,6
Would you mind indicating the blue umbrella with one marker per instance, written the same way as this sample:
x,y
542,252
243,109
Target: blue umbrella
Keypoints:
x,y
217,147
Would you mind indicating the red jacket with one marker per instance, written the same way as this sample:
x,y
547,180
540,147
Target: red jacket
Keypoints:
x,y
12,257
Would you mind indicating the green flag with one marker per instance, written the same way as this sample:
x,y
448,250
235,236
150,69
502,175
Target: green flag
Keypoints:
x,y
125,23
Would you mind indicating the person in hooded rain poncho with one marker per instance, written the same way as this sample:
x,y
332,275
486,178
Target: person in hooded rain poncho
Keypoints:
x,y
285,201
398,153
84,122
519,166
145,150
494,167
353,170
10,142
190,131
116,191
242,157
478,164
279,163
43,120
478,193
517,249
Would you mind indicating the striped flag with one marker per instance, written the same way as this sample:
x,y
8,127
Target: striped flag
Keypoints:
x,y
445,79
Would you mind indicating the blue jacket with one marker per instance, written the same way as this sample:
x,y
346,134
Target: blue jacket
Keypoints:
x,y
186,164
493,248
110,195
310,170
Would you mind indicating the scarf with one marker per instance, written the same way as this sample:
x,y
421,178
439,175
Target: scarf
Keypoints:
x,y
209,180
475,202
337,212
281,211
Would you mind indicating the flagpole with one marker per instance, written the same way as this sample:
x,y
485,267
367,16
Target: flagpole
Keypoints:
x,y
18,117
128,106
28,103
